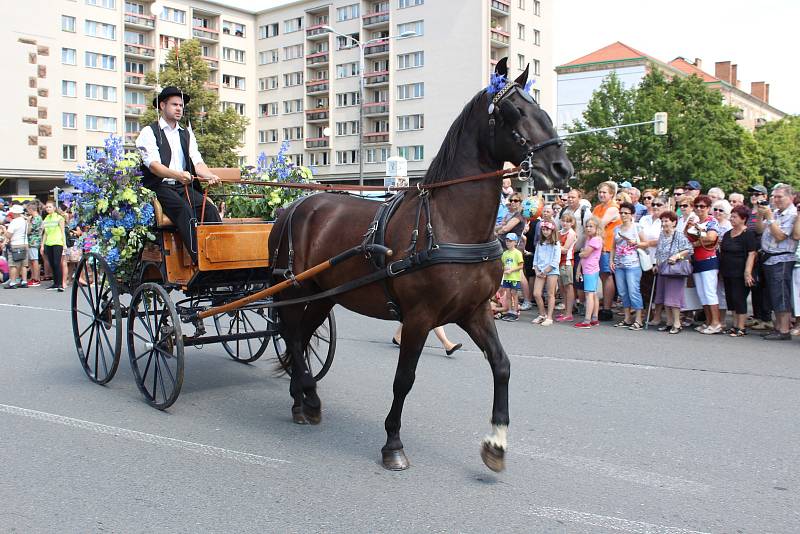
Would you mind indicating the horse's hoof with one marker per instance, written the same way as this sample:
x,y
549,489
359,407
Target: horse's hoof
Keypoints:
x,y
395,460
313,414
493,457
297,415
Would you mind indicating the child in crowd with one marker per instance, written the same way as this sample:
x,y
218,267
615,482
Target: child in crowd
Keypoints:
x,y
545,266
512,275
589,270
567,237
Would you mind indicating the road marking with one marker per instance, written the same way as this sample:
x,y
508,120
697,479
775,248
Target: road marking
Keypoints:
x,y
33,307
190,446
606,522
607,469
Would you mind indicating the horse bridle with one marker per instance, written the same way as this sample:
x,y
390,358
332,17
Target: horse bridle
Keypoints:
x,y
510,114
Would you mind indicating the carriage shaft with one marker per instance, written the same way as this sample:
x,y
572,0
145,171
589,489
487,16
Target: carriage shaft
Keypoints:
x,y
207,340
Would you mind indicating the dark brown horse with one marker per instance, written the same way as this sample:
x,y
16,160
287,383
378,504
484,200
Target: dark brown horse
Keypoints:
x,y
514,128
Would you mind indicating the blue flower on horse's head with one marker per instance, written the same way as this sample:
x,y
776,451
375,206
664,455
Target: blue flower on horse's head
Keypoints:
x,y
529,84
496,84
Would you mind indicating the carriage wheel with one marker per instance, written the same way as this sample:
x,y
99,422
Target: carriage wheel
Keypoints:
x,y
155,345
96,324
320,350
243,321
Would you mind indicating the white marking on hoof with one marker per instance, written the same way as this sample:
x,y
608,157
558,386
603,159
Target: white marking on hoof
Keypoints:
x,y
499,437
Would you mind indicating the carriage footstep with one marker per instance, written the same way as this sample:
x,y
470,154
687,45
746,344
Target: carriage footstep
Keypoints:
x,y
493,457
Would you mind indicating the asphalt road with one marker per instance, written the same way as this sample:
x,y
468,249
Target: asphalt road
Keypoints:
x,y
611,431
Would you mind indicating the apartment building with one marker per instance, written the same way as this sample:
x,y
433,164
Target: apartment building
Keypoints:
x,y
75,73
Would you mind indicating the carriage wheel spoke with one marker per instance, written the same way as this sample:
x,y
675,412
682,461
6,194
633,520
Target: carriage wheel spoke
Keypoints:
x,y
80,336
142,338
84,313
321,362
169,373
88,296
146,328
147,367
155,378
108,342
161,380
88,351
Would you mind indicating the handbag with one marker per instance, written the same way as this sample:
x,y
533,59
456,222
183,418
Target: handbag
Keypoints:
x,y
680,268
645,262
19,254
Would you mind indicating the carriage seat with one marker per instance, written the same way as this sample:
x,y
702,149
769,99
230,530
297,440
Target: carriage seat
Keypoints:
x,y
162,221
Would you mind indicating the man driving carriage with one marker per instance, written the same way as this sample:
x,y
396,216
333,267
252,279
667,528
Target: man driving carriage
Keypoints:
x,y
170,163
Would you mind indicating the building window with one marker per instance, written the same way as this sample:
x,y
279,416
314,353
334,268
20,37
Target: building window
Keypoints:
x,y
410,61
344,100
233,28
95,123
134,67
233,82
69,121
101,92
69,56
232,54
347,70
521,32
268,56
292,52
67,23
292,134
268,136
270,109
410,3
346,157
170,14
68,152
410,122
135,98
100,29
377,155
319,158
537,38
521,4
108,4
537,8
346,128
411,153
268,83
343,43
347,12
297,159
135,38
239,108
292,79
132,126
410,90
417,27
537,67
537,95
100,61
293,25
69,88
168,42
293,106
269,30
521,62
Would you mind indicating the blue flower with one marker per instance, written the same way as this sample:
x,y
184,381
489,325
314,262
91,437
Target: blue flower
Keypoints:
x,y
496,84
146,215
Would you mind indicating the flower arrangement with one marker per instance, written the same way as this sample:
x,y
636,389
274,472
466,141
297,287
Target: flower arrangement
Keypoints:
x,y
271,199
112,205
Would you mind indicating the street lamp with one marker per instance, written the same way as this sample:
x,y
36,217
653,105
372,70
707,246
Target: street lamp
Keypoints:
x,y
361,46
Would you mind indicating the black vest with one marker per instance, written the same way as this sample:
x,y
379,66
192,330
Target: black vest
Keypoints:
x,y
150,180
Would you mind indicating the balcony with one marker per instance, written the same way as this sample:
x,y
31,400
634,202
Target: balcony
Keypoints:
x,y
376,137
315,87
135,110
136,80
373,20
205,34
317,142
317,115
140,51
317,60
130,137
499,38
500,7
377,49
212,62
376,108
143,22
376,79
316,32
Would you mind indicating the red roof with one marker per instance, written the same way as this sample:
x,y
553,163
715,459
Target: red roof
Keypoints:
x,y
613,52
690,68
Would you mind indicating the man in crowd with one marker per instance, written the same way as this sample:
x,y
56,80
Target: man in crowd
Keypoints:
x,y
692,188
736,199
676,194
778,249
762,312
715,193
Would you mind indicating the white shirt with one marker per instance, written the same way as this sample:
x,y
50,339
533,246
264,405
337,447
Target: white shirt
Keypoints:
x,y
651,228
146,143
18,228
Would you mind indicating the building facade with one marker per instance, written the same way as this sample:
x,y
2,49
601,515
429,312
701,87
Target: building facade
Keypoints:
x,y
75,74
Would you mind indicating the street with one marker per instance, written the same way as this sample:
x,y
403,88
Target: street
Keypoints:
x,y
611,431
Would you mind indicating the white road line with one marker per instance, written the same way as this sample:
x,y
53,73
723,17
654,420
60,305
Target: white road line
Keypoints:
x,y
607,469
198,448
33,307
606,522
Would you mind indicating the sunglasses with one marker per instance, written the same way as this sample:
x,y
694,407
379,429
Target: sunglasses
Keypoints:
x,y
719,209
701,206
648,198
657,204
514,200
678,193
684,206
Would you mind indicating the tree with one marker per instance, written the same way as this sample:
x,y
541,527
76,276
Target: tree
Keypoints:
x,y
704,142
779,151
218,132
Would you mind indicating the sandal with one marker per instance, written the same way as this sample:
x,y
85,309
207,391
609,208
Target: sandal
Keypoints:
x,y
623,324
737,332
664,328
635,326
539,319
675,330
498,316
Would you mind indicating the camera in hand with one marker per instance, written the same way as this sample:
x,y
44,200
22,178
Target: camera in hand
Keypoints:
x,y
763,202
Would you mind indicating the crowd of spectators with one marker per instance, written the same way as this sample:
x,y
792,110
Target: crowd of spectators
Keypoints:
x,y
670,260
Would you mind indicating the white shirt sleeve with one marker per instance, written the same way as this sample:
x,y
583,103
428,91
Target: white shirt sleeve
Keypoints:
x,y
146,144
194,152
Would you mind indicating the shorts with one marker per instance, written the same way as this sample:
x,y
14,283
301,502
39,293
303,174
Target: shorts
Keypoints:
x,y
706,285
605,263
33,253
16,264
527,266
590,282
566,274
779,285
511,284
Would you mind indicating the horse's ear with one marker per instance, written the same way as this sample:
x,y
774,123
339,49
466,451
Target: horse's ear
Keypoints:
x,y
502,67
523,78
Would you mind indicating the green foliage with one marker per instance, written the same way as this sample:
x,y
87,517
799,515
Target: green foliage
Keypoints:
x,y
779,155
218,132
703,143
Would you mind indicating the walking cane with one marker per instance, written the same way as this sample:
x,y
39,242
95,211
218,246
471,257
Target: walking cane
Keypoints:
x,y
652,292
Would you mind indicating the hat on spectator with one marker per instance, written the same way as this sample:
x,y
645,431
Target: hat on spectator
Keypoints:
x,y
626,184
758,188
511,236
692,185
168,92
16,209
548,224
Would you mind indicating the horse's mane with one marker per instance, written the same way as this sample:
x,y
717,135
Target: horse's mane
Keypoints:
x,y
451,144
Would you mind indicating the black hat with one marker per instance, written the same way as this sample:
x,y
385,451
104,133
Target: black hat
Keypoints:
x,y
169,91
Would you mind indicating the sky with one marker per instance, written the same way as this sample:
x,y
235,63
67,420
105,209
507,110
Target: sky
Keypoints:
x,y
759,35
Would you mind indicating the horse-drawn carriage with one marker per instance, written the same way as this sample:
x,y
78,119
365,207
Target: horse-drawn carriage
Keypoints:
x,y
232,263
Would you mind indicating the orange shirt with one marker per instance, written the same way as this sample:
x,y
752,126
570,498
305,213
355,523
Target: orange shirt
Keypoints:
x,y
608,233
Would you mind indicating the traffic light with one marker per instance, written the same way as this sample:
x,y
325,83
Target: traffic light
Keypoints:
x,y
660,123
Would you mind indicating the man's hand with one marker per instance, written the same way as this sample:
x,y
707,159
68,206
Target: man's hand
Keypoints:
x,y
185,177
764,212
213,179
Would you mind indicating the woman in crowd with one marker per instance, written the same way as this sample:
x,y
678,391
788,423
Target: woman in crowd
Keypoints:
x,y
34,241
796,272
650,228
704,235
691,301
589,270
608,213
721,211
686,210
448,346
627,268
513,221
53,243
567,237
737,258
673,247
545,265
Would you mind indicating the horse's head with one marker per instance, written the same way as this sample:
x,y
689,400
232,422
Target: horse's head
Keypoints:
x,y
521,132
